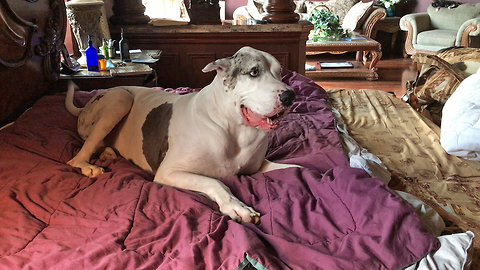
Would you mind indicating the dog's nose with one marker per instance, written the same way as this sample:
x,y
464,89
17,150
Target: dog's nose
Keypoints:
x,y
287,98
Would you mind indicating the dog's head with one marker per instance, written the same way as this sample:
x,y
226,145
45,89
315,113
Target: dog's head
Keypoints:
x,y
253,80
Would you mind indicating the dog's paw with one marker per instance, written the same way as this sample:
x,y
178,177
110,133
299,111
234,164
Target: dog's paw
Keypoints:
x,y
240,212
92,171
88,169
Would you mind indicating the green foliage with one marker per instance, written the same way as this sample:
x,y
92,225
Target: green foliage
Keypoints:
x,y
326,26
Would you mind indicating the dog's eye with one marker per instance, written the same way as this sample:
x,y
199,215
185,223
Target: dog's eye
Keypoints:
x,y
254,72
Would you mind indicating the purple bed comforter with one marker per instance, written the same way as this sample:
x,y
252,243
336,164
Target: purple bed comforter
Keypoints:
x,y
323,216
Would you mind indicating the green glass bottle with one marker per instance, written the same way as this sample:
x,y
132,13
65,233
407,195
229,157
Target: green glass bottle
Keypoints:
x,y
104,49
124,48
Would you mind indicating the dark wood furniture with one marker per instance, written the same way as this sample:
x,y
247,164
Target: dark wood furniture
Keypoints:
x,y
139,72
356,44
203,11
31,38
104,80
32,35
187,49
389,25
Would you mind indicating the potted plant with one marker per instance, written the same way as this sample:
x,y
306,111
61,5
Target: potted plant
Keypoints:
x,y
389,6
326,26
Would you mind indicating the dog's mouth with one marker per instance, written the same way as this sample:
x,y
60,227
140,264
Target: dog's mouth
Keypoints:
x,y
265,122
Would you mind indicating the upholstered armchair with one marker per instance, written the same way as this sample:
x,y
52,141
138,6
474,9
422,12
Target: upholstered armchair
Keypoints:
x,y
440,28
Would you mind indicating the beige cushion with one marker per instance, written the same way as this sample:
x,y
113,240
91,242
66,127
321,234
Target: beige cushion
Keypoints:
x,y
434,85
356,16
440,76
438,37
437,80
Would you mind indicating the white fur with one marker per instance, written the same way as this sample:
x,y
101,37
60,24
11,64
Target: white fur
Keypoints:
x,y
207,136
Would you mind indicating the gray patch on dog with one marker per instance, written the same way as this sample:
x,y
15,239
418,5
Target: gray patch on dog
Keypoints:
x,y
231,78
243,64
155,134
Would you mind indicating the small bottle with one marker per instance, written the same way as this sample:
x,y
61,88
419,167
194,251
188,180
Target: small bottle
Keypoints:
x,y
102,63
124,49
92,57
104,49
111,49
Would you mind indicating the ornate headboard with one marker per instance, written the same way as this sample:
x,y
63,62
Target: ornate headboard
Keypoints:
x,y
32,33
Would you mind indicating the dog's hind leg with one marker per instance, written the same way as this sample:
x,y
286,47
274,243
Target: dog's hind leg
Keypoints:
x,y
96,121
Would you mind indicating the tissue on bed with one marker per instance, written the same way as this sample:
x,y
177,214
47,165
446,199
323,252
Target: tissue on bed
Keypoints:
x,y
460,130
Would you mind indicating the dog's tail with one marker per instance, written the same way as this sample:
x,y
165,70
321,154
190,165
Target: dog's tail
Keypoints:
x,y
69,99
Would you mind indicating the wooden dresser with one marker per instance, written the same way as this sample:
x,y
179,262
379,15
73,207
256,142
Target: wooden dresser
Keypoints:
x,y
187,49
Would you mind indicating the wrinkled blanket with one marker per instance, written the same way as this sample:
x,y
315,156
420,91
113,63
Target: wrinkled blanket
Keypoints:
x,y
325,215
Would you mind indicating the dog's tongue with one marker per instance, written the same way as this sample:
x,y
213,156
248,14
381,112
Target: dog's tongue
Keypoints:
x,y
254,120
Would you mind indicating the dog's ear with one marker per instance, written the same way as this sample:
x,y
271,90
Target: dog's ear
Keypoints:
x,y
218,65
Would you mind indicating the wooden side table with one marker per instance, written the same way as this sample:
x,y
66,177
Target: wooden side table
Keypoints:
x,y
140,72
90,80
389,25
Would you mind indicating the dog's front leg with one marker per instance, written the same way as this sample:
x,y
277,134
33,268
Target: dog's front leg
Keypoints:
x,y
270,166
213,189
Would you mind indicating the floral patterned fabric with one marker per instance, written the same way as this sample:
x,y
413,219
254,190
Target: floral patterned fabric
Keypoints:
x,y
437,80
439,76
465,59
409,146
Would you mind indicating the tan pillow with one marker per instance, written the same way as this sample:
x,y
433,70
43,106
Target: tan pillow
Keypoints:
x,y
437,80
356,16
465,59
340,7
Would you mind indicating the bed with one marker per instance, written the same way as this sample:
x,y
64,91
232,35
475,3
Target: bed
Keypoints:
x,y
408,146
426,153
328,214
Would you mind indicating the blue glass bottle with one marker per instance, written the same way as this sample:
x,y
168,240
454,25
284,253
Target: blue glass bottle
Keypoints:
x,y
92,56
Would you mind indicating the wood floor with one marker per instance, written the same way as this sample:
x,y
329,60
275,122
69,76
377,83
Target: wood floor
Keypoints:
x,y
393,72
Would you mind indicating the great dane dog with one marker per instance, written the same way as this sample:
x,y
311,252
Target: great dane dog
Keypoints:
x,y
189,141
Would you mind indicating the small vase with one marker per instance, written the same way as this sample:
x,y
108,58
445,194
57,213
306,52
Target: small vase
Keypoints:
x,y
390,11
